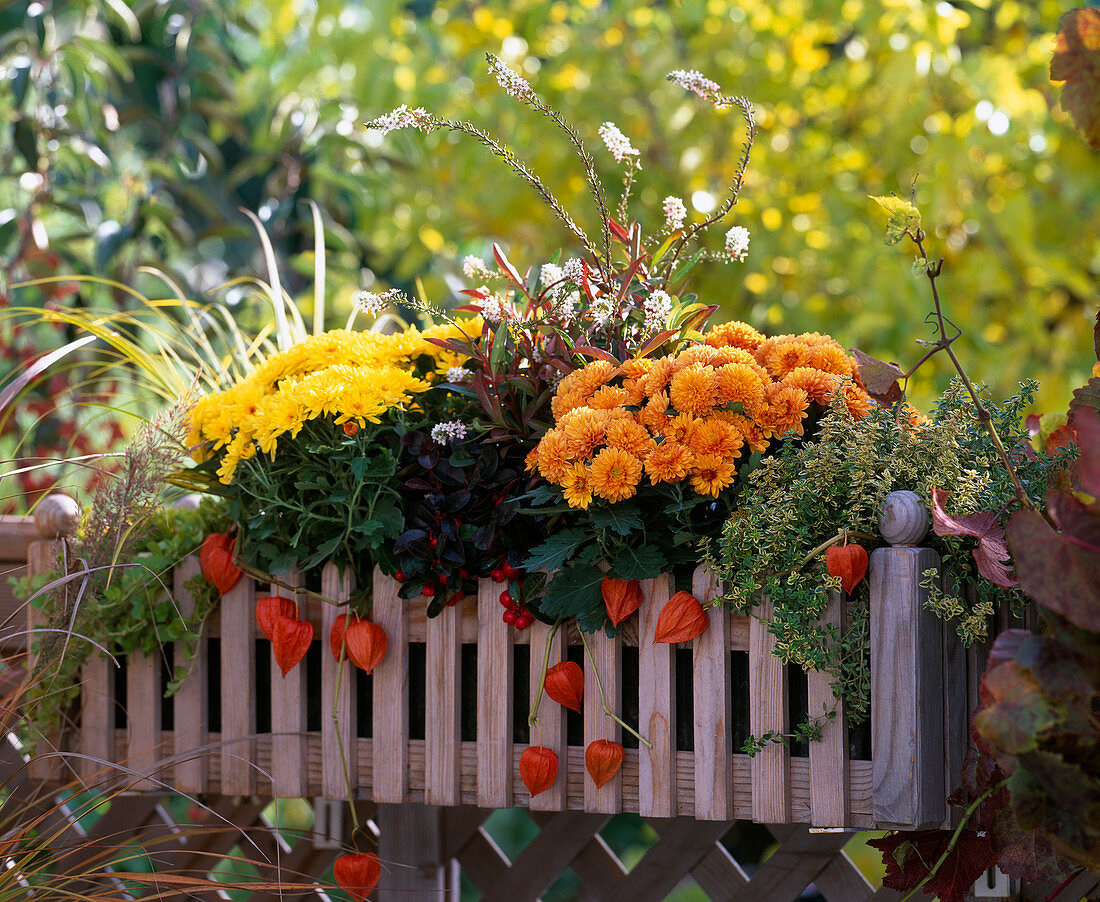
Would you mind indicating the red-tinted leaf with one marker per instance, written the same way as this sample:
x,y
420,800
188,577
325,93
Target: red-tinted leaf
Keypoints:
x,y
1086,423
991,554
564,683
1060,570
474,293
618,231
602,760
654,342
681,619
1005,647
538,768
1015,711
879,377
596,353
357,873
849,562
506,266
1023,854
910,856
1076,61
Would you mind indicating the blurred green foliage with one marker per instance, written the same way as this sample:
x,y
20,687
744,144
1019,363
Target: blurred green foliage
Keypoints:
x,y
131,134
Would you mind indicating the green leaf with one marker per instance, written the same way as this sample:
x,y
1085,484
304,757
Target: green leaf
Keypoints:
x,y
639,563
575,592
555,551
622,518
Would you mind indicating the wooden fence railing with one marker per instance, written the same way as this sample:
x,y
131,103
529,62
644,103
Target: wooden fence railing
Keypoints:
x,y
442,720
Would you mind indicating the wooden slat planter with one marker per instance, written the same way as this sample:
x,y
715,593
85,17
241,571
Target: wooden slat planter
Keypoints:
x,y
397,755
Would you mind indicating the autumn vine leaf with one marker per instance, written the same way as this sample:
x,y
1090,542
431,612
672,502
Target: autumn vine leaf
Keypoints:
x,y
991,555
910,856
1076,62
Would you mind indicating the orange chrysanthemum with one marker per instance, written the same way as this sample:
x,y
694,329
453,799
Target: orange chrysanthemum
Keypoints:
x,y
656,380
785,410
595,374
653,414
704,354
734,334
584,431
739,382
785,355
566,400
693,390
630,436
816,383
577,483
711,474
607,397
751,433
553,455
636,367
615,474
669,462
531,461
830,358
717,438
857,399
679,429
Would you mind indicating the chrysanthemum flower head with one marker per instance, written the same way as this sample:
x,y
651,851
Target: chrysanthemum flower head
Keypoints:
x,y
669,462
740,383
830,358
584,431
630,436
711,474
693,389
680,428
734,334
553,455
717,438
785,409
577,486
816,383
615,474
785,355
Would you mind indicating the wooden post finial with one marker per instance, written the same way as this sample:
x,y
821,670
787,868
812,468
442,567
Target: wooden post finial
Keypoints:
x,y
56,515
903,519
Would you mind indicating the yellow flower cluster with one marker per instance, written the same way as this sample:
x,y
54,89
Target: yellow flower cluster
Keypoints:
x,y
351,376
689,416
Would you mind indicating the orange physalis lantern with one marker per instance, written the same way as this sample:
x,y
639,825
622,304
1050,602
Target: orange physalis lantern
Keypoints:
x,y
538,768
565,684
621,597
603,759
681,619
849,562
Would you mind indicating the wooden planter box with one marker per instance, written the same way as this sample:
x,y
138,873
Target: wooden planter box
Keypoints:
x,y
237,727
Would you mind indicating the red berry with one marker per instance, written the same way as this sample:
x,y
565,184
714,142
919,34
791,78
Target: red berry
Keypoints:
x,y
432,540
510,571
506,598
458,596
428,591
497,576
451,602
524,620
508,616
443,579
463,574
399,576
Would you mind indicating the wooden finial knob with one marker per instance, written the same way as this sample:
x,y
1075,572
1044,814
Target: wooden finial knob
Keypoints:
x,y
903,519
56,516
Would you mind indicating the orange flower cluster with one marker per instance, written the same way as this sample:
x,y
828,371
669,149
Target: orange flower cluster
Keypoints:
x,y
690,416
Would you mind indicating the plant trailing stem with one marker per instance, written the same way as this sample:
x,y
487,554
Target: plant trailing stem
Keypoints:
x,y
340,739
533,717
603,700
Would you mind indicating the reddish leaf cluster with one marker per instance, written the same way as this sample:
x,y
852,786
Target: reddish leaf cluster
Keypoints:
x,y
910,857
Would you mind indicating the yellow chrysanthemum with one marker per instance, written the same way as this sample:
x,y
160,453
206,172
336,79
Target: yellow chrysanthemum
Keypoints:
x,y
785,355
714,437
679,429
279,414
784,411
553,454
711,474
693,390
584,431
630,436
615,474
740,383
816,383
577,485
669,462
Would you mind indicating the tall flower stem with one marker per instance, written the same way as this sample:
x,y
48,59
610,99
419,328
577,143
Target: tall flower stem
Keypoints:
x,y
533,717
603,699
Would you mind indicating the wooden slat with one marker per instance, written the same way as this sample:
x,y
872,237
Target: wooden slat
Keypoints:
x,y
288,710
606,659
551,721
97,717
906,692
41,558
842,881
391,695
481,858
558,842
829,756
800,857
443,711
191,713
771,776
339,776
712,702
410,842
683,843
143,697
956,718
656,706
719,875
238,667
494,700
